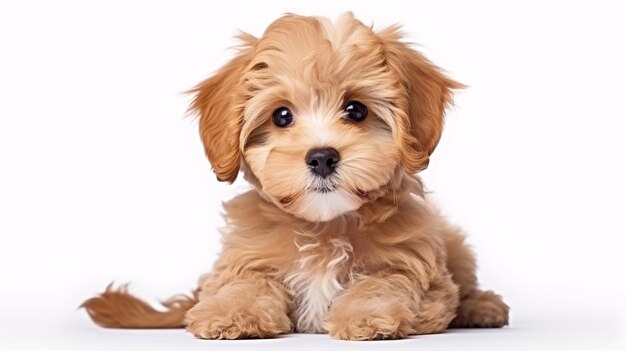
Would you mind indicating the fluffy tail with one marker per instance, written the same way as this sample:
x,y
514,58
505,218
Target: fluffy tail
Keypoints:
x,y
116,308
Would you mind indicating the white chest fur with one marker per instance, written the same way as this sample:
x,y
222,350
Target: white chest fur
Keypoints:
x,y
317,281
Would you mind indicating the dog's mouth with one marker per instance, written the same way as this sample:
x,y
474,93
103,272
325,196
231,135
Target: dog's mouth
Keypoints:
x,y
323,185
322,189
287,201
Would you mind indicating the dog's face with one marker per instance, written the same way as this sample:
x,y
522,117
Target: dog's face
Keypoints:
x,y
323,115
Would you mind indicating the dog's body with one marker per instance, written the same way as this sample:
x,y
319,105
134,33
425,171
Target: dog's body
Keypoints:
x,y
328,122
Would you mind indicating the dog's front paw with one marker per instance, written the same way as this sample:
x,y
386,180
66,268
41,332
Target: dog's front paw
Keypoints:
x,y
225,320
369,320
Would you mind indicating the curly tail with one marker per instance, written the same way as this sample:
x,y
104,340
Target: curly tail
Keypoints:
x,y
116,308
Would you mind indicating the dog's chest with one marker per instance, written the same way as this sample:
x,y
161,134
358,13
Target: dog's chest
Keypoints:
x,y
322,272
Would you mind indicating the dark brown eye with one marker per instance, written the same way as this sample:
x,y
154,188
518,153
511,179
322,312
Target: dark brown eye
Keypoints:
x,y
355,111
282,117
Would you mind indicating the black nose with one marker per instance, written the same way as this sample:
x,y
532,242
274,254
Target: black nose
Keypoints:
x,y
322,161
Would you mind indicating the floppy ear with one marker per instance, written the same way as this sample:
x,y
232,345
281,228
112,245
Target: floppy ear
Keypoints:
x,y
427,93
219,103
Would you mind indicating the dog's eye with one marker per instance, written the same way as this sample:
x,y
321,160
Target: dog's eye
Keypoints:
x,y
282,117
355,111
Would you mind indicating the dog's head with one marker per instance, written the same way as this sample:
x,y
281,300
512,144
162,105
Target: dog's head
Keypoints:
x,y
322,113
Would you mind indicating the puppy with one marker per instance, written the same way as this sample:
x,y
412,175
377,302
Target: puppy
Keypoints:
x,y
329,122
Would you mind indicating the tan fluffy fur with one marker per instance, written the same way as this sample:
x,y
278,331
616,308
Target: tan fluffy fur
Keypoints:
x,y
372,259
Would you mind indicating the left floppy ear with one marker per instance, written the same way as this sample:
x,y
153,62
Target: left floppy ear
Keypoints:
x,y
219,103
426,92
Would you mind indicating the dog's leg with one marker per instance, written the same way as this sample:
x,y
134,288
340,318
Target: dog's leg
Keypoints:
x,y
481,309
389,305
248,306
478,308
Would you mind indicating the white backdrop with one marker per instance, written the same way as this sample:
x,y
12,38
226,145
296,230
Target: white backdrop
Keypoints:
x,y
102,178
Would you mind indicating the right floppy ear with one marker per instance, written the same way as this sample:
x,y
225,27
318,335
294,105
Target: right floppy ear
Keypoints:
x,y
426,91
219,102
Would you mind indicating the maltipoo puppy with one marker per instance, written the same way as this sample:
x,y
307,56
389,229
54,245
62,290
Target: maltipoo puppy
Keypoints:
x,y
329,122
